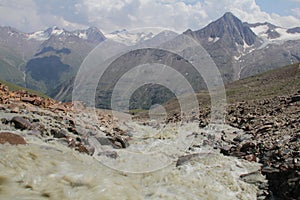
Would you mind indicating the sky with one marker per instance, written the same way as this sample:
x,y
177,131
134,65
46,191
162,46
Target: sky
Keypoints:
x,y
112,15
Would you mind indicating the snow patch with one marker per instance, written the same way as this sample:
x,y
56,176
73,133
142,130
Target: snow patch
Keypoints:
x,y
261,32
211,39
39,35
129,38
237,57
45,35
82,34
284,35
57,32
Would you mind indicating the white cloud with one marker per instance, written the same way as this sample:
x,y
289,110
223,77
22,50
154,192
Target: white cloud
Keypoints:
x,y
110,15
26,16
296,11
175,14
21,14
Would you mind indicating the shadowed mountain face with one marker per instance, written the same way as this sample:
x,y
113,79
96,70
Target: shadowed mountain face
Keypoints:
x,y
43,73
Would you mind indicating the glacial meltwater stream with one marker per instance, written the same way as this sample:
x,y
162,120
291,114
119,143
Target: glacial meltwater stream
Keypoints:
x,y
42,170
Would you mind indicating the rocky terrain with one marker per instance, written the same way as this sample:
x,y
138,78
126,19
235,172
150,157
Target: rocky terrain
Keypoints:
x,y
270,135
272,128
267,108
51,119
49,125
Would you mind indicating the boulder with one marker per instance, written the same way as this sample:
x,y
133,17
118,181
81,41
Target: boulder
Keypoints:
x,y
11,138
21,123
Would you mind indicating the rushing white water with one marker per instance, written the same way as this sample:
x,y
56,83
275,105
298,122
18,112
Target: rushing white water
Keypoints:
x,y
52,171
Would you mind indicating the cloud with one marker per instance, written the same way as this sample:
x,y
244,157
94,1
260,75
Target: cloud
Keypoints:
x,y
33,15
296,11
21,14
175,14
110,15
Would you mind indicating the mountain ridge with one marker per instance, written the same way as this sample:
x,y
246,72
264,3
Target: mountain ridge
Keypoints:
x,y
238,48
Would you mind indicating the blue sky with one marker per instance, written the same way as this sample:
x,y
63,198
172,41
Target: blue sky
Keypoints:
x,y
111,15
281,7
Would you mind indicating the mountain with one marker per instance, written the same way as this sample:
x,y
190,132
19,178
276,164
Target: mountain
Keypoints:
x,y
91,34
228,30
44,59
130,38
279,46
240,49
48,60
13,41
225,39
63,91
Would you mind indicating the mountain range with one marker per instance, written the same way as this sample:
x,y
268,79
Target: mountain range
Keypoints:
x,y
48,60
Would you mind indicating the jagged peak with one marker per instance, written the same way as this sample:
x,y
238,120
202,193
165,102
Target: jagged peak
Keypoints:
x,y
229,15
188,31
229,27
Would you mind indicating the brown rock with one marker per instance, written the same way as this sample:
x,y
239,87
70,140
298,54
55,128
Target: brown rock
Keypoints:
x,y
250,158
28,99
264,128
123,141
11,138
15,109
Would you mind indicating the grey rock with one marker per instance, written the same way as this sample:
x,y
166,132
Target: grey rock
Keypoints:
x,y
110,154
58,133
21,123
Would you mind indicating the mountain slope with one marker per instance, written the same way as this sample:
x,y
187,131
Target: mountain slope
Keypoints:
x,y
13,87
224,39
276,82
10,73
273,83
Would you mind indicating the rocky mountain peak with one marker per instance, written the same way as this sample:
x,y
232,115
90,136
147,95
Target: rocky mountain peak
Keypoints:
x,y
228,28
54,30
92,35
